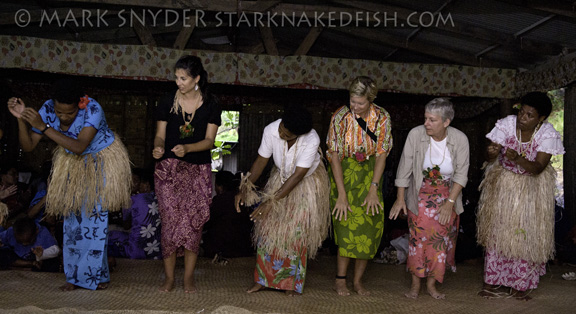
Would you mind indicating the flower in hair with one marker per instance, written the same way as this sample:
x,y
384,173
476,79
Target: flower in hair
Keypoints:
x,y
83,102
517,106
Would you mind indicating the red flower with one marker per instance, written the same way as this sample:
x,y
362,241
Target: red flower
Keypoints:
x,y
83,102
360,156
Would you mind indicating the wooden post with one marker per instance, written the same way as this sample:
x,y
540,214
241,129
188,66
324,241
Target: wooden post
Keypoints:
x,y
570,146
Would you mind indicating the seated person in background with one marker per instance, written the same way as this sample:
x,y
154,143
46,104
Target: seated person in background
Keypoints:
x,y
141,238
116,220
10,194
36,212
227,233
29,245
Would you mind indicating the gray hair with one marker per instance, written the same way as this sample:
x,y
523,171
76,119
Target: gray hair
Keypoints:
x,y
441,106
363,86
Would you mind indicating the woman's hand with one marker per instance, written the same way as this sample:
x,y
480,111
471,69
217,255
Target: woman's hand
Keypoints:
x,y
158,152
445,212
341,208
493,150
9,191
399,205
179,150
16,106
512,154
372,202
33,118
238,200
261,211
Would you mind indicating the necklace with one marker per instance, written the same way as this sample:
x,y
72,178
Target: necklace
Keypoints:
x,y
443,154
286,173
521,151
186,130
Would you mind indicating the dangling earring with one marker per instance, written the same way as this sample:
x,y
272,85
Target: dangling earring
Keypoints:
x,y
196,86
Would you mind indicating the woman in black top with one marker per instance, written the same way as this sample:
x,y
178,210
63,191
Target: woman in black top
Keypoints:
x,y
187,123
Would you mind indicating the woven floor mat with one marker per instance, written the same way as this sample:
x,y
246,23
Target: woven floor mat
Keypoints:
x,y
221,289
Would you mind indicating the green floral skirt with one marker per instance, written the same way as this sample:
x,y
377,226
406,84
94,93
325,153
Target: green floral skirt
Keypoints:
x,y
359,236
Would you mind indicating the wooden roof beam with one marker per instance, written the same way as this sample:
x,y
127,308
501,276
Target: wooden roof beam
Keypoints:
x,y
184,35
144,34
426,49
268,40
308,41
468,30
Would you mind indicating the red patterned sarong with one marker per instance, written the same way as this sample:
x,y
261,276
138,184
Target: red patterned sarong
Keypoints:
x,y
184,194
432,245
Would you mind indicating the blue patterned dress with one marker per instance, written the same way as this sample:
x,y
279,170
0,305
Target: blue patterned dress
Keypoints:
x,y
85,233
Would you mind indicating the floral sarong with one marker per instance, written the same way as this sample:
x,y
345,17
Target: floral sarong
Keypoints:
x,y
282,273
184,193
359,236
512,272
432,245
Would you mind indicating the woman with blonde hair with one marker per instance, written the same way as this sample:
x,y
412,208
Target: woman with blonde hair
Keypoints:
x,y
359,140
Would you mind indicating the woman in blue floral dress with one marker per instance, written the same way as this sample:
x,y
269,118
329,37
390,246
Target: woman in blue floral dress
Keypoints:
x,y
90,176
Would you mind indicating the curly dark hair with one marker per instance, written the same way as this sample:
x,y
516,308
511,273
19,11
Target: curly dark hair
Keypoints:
x,y
67,91
297,119
539,101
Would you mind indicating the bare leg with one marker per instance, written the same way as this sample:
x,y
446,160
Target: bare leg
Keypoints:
x,y
169,267
431,287
340,284
190,259
359,268
414,288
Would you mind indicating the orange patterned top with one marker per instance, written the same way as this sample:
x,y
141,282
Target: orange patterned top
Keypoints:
x,y
347,138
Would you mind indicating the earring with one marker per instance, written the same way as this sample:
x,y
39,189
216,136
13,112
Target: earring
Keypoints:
x,y
196,86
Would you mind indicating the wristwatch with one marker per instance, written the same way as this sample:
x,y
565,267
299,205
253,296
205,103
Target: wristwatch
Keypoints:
x,y
451,200
46,128
376,184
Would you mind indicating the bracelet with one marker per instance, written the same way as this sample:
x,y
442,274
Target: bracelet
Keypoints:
x,y
451,200
376,184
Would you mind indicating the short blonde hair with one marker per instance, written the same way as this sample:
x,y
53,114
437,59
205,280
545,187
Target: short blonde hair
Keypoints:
x,y
363,86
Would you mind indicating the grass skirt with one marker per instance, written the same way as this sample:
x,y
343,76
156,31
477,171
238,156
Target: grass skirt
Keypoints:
x,y
80,182
516,213
301,219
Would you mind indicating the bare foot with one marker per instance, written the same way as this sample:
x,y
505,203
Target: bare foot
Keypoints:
x,y
255,288
167,286
411,294
492,292
102,286
292,293
189,287
340,287
359,288
68,287
520,295
435,294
